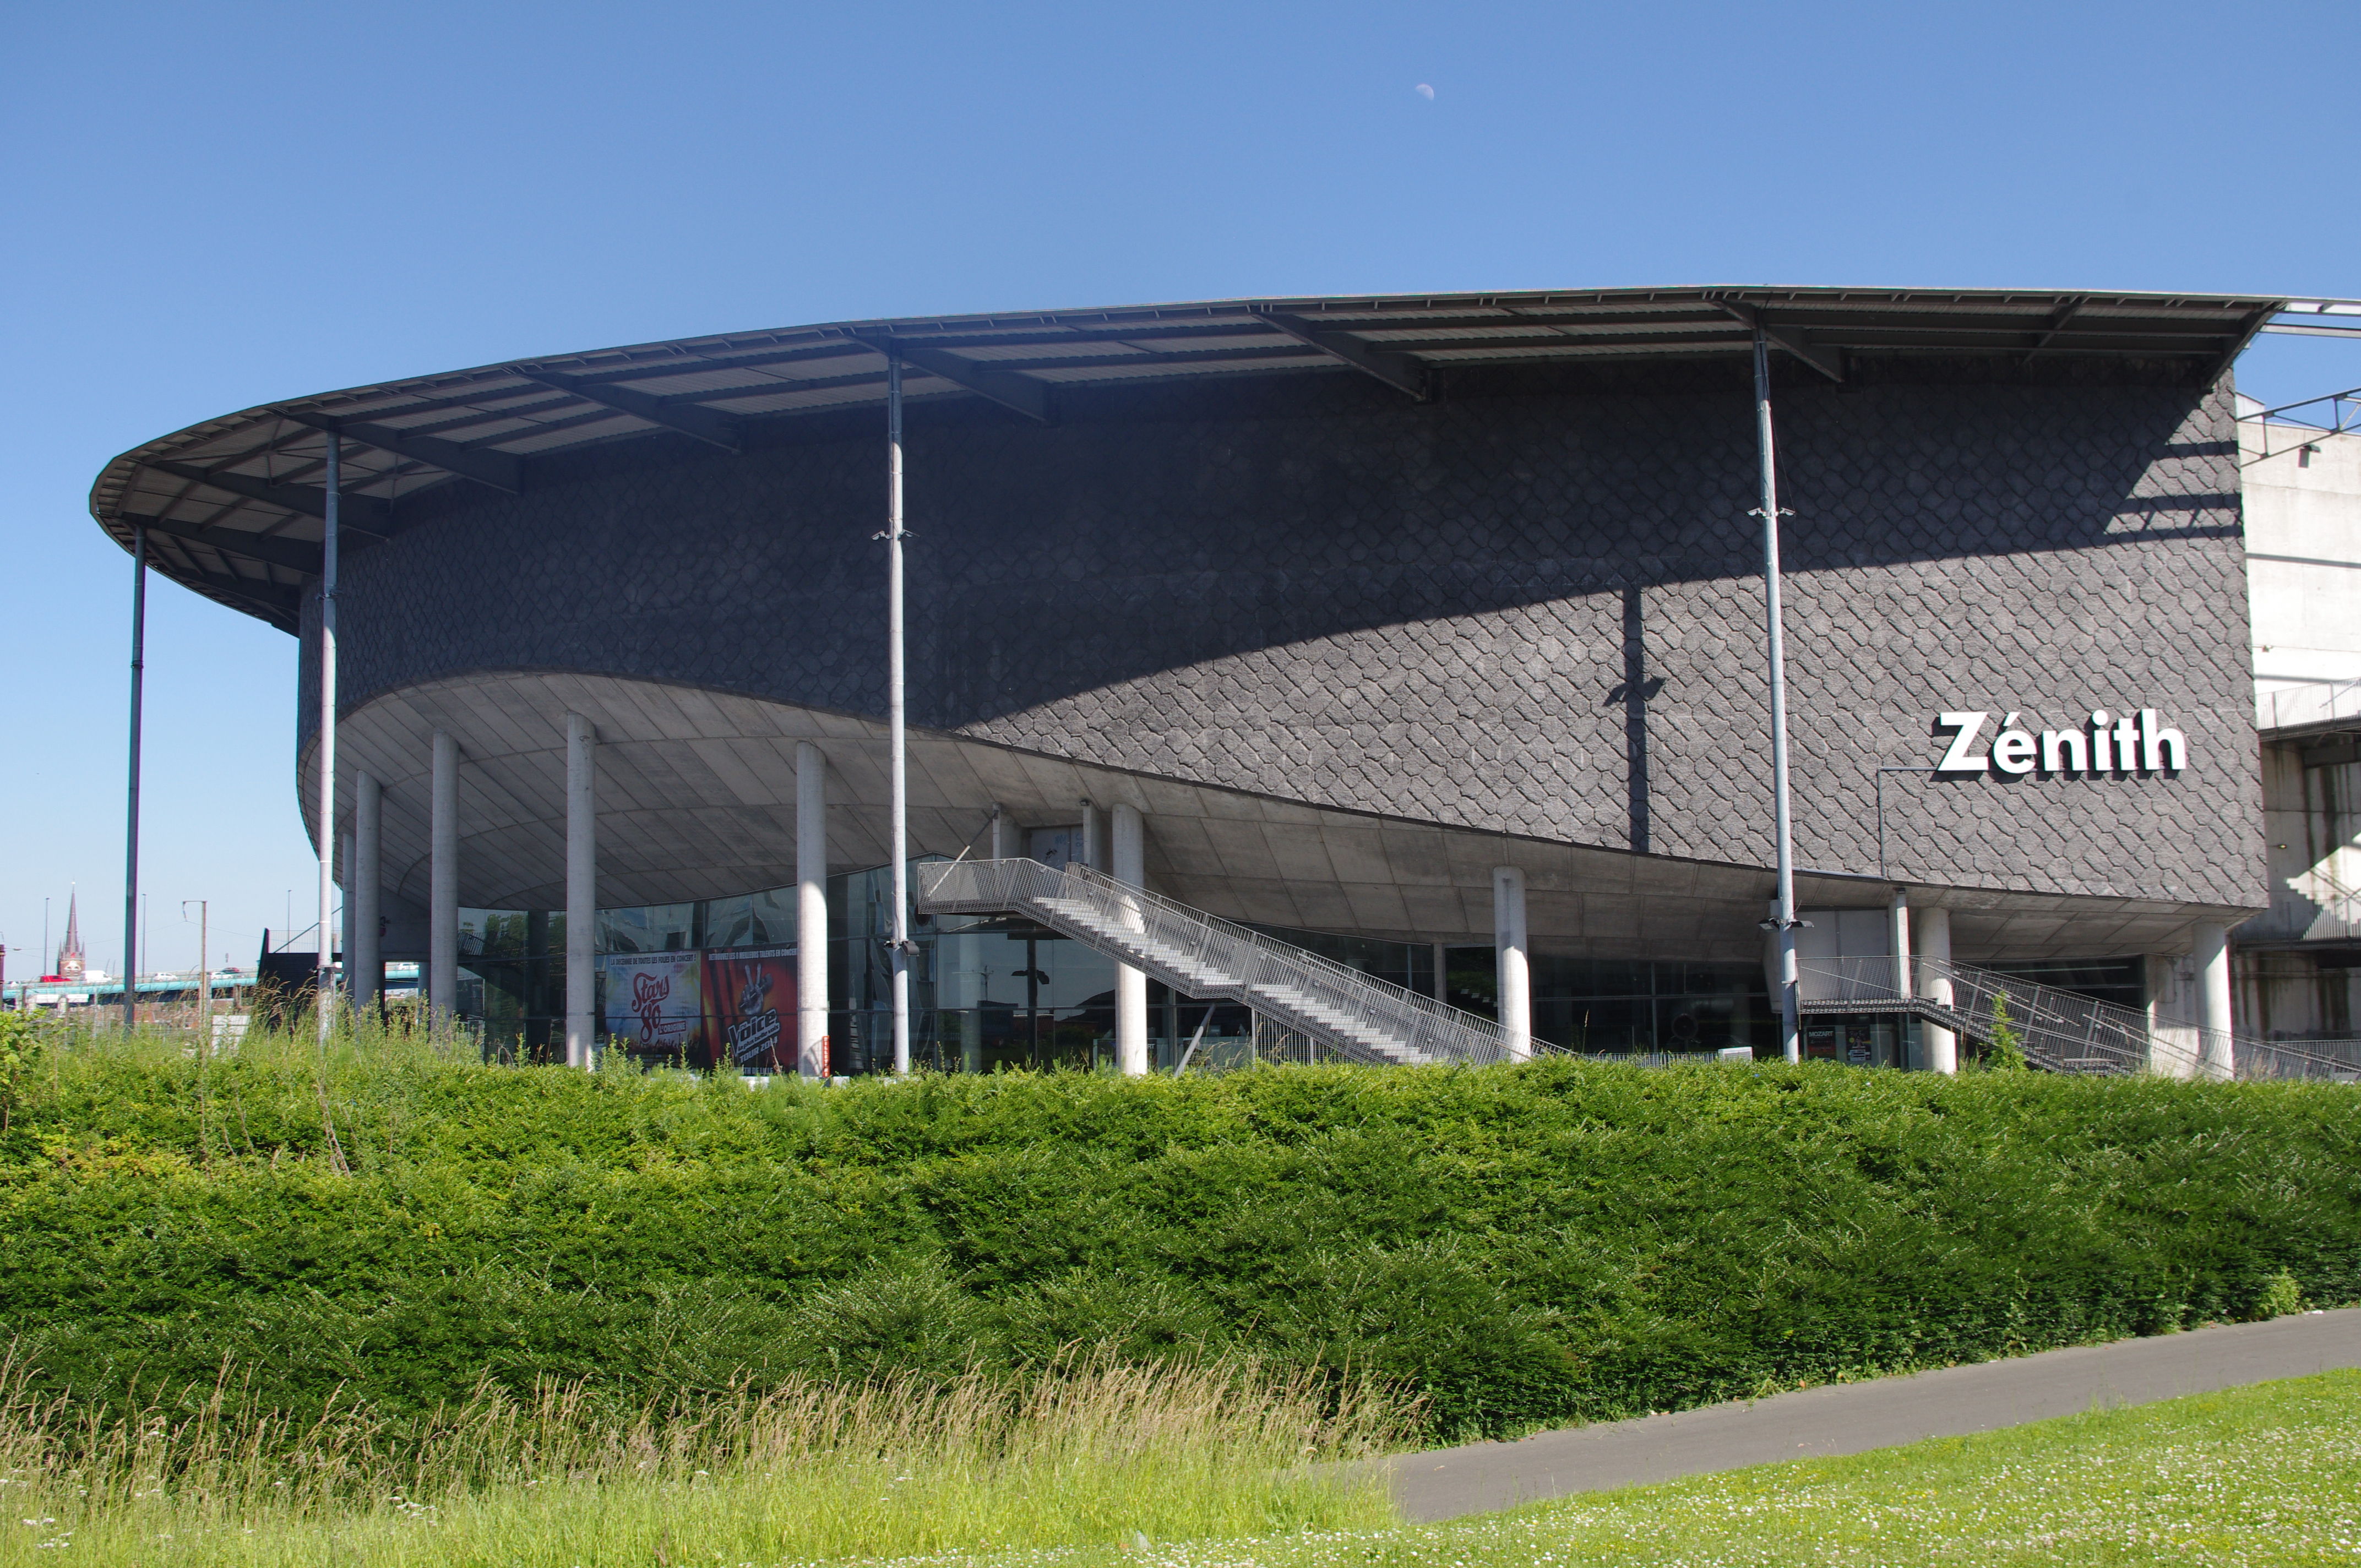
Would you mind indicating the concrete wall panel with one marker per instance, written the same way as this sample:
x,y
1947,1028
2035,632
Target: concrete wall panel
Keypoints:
x,y
1529,607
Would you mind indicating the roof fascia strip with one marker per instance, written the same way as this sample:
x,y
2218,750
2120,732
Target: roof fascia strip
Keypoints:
x,y
604,365
2315,318
209,477
691,419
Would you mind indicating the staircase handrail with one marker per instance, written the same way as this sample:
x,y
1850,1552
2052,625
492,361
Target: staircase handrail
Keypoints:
x,y
1265,968
2059,1029
2256,1058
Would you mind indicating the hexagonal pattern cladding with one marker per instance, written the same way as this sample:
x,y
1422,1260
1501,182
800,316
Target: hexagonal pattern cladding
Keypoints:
x,y
1532,607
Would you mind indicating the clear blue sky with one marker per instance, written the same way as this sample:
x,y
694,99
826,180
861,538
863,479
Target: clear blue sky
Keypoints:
x,y
211,206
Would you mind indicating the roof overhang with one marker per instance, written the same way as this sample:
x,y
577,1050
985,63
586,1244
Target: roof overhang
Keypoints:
x,y
233,505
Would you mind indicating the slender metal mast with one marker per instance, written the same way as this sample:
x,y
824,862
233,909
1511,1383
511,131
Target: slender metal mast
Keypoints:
x,y
1790,1040
901,790
131,829
324,993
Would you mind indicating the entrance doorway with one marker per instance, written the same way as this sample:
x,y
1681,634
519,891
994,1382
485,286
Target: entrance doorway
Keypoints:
x,y
1862,1039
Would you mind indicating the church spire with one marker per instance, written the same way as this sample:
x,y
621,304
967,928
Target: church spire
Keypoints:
x,y
69,962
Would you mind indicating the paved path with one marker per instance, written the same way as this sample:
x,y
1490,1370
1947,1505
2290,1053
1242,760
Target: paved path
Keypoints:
x,y
1848,1418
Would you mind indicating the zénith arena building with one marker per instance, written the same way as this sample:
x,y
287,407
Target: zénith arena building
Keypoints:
x,y
1414,654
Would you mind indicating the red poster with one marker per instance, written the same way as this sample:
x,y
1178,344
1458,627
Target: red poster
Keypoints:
x,y
750,996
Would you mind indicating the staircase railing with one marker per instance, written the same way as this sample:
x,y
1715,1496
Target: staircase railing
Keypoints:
x,y
2301,706
2257,1056
2061,1030
1361,1016
1205,956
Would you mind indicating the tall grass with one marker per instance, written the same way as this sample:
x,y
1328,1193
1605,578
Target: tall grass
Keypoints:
x,y
1104,1453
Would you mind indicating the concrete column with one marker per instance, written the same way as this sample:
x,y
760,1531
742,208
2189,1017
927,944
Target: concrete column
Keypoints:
x,y
811,910
536,975
1516,973
1933,947
2209,944
1130,984
2172,1037
1093,850
581,892
1004,844
344,917
364,878
442,882
1897,938
1441,973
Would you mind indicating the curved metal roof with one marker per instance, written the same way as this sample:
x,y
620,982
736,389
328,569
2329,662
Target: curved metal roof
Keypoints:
x,y
232,507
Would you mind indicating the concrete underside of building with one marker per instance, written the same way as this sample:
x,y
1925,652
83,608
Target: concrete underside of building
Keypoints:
x,y
698,801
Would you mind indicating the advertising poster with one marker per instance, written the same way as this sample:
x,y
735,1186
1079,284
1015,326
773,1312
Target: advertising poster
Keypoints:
x,y
654,1005
751,995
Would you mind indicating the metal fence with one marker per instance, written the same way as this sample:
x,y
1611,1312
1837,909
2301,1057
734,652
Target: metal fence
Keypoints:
x,y
2301,707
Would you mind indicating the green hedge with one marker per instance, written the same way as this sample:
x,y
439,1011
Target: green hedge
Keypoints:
x,y
1526,1245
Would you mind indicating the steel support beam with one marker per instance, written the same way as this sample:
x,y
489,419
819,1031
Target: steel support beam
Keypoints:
x,y
898,781
1396,370
131,802
292,554
706,424
362,514
2059,320
501,471
1782,916
324,997
1033,398
1829,362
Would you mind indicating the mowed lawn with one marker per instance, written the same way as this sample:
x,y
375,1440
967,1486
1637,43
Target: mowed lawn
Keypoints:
x,y
2269,1474
2265,1474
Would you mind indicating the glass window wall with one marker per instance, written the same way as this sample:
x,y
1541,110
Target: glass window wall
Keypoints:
x,y
994,992
1628,1007
513,980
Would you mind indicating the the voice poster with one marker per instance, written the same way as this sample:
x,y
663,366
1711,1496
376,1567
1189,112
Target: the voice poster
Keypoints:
x,y
750,1004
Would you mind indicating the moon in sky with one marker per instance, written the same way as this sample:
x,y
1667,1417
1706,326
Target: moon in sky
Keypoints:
x,y
1425,92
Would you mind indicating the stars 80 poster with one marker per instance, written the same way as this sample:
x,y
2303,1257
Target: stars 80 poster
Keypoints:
x,y
653,1007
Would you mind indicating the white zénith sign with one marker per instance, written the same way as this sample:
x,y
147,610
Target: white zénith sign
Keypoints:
x,y
2128,744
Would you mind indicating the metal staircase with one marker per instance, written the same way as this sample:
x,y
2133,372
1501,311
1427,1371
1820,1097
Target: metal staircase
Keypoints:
x,y
2060,1030
1365,1019
1199,955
